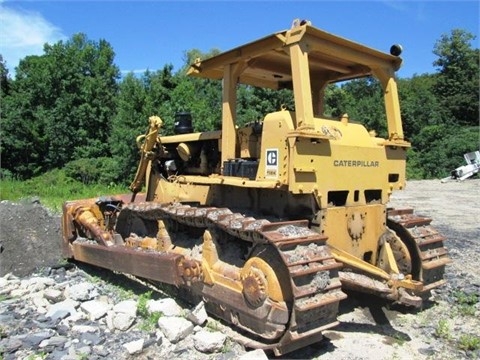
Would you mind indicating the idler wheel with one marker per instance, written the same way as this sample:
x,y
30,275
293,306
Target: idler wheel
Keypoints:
x,y
401,254
255,287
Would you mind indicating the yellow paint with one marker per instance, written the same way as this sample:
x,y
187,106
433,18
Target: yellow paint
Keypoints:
x,y
340,171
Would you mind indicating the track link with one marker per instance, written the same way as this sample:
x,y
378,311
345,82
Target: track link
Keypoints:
x,y
312,271
433,256
316,293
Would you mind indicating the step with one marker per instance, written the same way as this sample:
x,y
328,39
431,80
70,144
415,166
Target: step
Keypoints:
x,y
319,300
313,268
436,263
430,239
304,258
433,253
415,221
309,290
399,212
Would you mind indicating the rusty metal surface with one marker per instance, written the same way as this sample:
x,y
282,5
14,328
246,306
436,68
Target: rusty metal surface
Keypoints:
x,y
422,255
432,255
314,280
311,272
161,267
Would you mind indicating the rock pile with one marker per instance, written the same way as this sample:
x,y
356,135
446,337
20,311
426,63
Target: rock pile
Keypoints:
x,y
66,314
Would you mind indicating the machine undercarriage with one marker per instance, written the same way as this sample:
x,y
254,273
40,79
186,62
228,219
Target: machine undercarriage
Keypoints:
x,y
276,281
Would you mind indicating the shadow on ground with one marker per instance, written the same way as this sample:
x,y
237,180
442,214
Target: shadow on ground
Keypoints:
x,y
374,308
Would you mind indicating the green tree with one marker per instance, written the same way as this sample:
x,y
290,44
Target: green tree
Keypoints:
x,y
440,111
191,56
253,103
201,97
159,87
4,92
131,120
60,106
438,149
457,86
4,78
138,99
365,104
25,113
85,79
418,105
336,99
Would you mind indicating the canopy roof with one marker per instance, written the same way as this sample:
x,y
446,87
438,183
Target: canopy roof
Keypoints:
x,y
266,62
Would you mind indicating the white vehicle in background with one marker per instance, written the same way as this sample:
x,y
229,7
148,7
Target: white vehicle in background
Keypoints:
x,y
464,172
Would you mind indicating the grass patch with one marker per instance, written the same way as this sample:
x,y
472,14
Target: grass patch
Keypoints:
x,y
3,332
227,346
94,279
53,189
82,356
40,356
142,309
399,338
469,342
465,302
212,325
149,319
150,323
443,330
121,292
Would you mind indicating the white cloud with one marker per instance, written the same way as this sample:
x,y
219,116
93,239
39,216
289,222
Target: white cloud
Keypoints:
x,y
24,33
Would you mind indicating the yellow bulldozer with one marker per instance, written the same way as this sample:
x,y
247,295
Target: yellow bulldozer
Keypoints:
x,y
269,222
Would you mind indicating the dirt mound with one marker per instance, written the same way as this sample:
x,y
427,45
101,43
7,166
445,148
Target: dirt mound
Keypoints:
x,y
29,238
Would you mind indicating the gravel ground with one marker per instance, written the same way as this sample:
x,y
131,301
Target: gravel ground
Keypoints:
x,y
447,328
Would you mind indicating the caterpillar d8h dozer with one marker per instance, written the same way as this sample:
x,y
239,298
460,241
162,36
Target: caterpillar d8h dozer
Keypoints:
x,y
268,222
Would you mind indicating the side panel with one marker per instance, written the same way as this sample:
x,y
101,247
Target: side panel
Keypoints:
x,y
161,190
273,164
355,230
351,162
396,165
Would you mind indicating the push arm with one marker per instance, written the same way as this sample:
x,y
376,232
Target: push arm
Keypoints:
x,y
149,141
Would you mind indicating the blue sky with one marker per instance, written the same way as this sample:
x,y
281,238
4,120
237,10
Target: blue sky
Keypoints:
x,y
150,34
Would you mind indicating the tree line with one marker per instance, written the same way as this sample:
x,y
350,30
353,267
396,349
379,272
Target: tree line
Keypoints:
x,y
70,109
